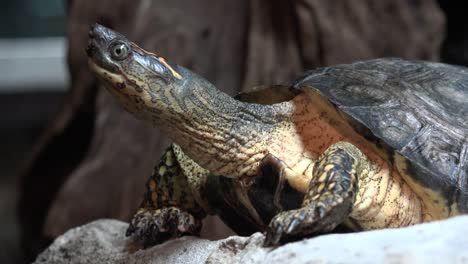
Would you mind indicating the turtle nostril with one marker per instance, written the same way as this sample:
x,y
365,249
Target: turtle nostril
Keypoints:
x,y
92,30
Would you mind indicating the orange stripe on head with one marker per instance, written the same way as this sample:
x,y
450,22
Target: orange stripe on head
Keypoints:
x,y
174,73
160,59
141,50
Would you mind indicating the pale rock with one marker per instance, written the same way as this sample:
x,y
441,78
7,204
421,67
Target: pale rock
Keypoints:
x,y
103,241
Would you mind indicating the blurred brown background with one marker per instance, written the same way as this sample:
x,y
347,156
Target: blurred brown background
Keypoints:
x,y
70,155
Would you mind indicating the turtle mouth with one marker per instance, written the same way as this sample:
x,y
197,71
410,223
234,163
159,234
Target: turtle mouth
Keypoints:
x,y
99,38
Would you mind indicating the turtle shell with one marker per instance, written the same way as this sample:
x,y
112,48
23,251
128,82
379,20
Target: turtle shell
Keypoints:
x,y
419,109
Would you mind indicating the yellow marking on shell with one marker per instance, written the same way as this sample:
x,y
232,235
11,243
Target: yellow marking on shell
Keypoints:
x,y
436,205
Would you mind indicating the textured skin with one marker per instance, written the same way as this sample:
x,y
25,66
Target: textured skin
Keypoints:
x,y
331,137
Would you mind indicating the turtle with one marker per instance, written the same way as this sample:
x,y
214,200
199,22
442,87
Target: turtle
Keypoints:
x,y
380,143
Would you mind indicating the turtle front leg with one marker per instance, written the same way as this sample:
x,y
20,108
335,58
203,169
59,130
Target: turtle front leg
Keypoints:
x,y
169,208
329,199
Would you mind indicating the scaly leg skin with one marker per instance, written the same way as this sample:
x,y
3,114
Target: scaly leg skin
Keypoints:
x,y
329,199
169,208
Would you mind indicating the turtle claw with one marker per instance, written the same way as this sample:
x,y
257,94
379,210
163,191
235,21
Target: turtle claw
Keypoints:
x,y
282,224
155,226
272,237
306,221
292,225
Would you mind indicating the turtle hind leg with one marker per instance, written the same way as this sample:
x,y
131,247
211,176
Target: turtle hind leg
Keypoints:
x,y
154,226
168,209
328,201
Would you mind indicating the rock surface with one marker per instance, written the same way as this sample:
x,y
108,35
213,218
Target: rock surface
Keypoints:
x,y
103,241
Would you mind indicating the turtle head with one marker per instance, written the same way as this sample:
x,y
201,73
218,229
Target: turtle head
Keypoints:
x,y
136,77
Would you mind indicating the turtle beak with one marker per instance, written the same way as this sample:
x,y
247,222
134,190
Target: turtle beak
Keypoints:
x,y
102,33
99,38
93,36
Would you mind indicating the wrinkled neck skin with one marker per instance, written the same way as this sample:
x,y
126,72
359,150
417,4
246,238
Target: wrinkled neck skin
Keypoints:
x,y
211,127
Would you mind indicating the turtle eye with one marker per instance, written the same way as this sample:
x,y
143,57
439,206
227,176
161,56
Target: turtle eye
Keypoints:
x,y
119,51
